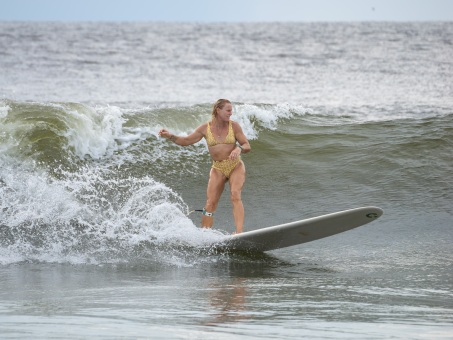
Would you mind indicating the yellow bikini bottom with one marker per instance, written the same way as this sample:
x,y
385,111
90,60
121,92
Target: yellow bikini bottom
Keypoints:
x,y
226,166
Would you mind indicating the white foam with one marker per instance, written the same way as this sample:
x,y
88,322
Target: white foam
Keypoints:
x,y
94,132
267,116
4,109
92,217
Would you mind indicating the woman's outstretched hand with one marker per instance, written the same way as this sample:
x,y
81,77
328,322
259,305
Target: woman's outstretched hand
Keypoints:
x,y
165,133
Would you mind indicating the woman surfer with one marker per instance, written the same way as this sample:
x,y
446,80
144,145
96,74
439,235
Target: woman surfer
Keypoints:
x,y
226,142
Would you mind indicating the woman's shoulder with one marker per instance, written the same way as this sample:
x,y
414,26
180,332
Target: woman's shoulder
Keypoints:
x,y
202,128
235,125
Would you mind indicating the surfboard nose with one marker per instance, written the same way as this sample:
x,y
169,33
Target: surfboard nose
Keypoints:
x,y
374,212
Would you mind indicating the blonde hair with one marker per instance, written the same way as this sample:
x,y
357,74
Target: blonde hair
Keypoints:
x,y
219,104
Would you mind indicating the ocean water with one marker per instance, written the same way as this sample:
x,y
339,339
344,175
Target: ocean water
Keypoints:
x,y
95,236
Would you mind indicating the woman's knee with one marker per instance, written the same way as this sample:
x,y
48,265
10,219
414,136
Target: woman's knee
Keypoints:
x,y
235,196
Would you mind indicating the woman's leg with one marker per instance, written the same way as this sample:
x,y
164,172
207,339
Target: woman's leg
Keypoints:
x,y
237,180
216,185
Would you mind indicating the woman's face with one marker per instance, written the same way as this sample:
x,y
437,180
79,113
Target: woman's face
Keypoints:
x,y
225,112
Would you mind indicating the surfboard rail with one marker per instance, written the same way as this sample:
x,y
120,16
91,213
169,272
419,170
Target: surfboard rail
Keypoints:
x,y
298,232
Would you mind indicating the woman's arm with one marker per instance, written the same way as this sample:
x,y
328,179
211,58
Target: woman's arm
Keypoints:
x,y
244,144
193,138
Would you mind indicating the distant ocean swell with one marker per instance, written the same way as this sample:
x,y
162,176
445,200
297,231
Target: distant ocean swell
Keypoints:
x,y
85,184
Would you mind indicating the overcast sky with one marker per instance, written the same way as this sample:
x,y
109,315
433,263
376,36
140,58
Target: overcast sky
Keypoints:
x,y
226,10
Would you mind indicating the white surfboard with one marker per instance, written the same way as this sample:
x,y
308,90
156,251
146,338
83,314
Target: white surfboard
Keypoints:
x,y
294,233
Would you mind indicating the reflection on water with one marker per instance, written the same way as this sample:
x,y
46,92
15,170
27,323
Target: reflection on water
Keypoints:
x,y
227,301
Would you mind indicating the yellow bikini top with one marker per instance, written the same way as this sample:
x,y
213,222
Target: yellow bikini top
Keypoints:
x,y
229,139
